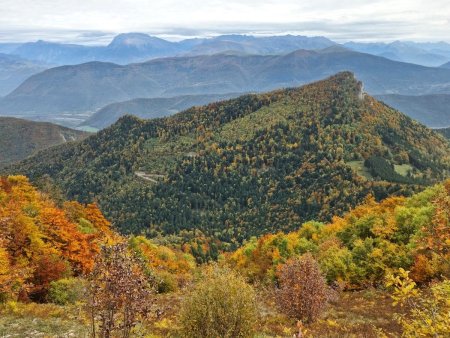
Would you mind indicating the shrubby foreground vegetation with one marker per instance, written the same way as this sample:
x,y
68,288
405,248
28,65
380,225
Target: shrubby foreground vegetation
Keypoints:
x,y
380,270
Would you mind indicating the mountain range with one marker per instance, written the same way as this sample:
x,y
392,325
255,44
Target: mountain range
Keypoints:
x,y
137,47
20,138
90,86
247,166
446,65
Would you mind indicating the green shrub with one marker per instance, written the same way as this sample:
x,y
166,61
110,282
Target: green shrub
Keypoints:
x,y
221,305
166,282
66,291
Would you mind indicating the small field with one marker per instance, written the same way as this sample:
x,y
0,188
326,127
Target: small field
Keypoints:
x,y
360,169
402,169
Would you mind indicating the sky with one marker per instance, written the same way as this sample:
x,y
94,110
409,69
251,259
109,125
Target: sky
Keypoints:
x,y
97,21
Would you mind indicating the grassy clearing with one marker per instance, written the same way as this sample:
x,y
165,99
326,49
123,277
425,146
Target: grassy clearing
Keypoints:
x,y
360,169
161,156
402,169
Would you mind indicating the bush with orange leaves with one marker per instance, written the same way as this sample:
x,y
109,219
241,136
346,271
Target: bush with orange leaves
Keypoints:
x,y
303,292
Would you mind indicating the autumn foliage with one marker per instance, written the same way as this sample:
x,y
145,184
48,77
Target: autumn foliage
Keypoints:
x,y
370,241
119,294
303,293
41,243
221,305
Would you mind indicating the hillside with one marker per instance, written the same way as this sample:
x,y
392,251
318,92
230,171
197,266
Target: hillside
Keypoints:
x,y
14,70
20,138
91,86
446,65
149,108
247,166
431,110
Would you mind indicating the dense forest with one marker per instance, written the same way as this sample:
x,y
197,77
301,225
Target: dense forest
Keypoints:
x,y
217,175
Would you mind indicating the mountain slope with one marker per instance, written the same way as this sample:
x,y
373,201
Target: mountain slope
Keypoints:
x,y
20,138
248,166
14,70
91,86
149,108
446,65
431,110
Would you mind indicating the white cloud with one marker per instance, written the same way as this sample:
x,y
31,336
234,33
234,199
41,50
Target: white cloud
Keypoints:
x,y
339,19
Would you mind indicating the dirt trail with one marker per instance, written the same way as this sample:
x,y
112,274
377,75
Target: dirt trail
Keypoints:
x,y
148,177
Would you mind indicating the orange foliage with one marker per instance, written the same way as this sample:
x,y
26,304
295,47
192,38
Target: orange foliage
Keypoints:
x,y
40,243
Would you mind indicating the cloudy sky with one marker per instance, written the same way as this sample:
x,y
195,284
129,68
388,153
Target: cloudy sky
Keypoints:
x,y
96,21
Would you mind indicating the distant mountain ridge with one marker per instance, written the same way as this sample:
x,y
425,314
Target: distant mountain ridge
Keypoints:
x,y
248,166
14,70
91,86
137,47
426,54
446,65
431,110
149,108
20,138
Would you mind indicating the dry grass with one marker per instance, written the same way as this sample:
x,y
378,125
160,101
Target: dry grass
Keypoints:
x,y
41,320
367,313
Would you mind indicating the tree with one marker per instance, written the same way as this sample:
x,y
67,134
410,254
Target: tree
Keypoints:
x,y
303,293
221,305
428,311
119,295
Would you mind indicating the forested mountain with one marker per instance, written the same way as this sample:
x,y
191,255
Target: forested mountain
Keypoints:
x,y
431,110
91,86
149,108
14,70
248,166
20,138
